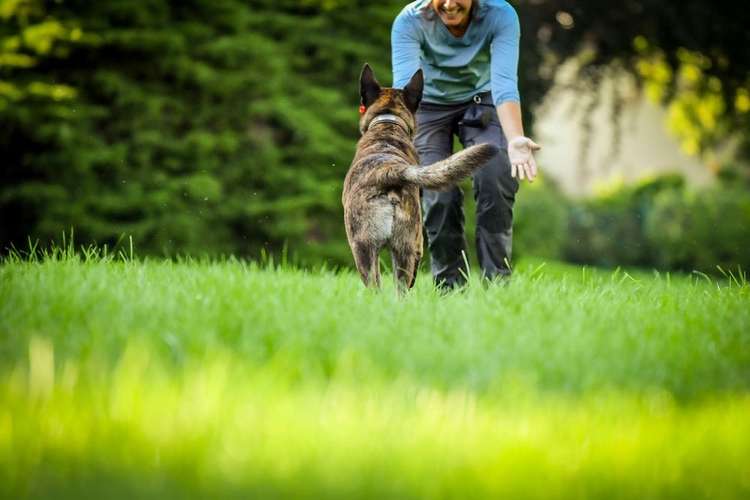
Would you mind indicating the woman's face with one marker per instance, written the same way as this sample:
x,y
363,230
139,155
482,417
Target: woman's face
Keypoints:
x,y
454,13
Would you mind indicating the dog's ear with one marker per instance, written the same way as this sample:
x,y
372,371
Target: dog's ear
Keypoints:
x,y
413,91
369,88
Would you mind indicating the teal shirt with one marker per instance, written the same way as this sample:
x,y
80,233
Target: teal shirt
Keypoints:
x,y
484,58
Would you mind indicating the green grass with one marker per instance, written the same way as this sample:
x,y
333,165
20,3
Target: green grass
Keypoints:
x,y
155,379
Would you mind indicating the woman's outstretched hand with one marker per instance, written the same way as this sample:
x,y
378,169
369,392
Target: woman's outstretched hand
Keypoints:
x,y
521,154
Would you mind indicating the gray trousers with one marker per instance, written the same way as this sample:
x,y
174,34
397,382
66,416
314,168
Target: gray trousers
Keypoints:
x,y
494,193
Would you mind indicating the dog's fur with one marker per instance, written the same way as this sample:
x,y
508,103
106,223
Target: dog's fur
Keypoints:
x,y
381,190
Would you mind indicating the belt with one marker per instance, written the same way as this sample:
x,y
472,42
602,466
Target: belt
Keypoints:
x,y
480,98
483,98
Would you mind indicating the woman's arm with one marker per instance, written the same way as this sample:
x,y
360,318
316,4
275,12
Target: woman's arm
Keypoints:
x,y
405,49
509,113
504,70
520,148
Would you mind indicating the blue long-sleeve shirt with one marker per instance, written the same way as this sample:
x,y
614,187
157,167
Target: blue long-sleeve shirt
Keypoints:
x,y
484,58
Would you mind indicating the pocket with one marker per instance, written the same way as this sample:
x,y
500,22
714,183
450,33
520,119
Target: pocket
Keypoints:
x,y
477,116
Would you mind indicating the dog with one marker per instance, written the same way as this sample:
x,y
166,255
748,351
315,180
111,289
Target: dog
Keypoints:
x,y
381,194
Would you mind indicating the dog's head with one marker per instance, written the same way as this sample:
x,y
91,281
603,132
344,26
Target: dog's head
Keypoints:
x,y
377,100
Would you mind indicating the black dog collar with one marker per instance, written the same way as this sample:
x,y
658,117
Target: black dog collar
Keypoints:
x,y
389,118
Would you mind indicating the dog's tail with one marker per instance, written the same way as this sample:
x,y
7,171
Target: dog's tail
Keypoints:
x,y
447,173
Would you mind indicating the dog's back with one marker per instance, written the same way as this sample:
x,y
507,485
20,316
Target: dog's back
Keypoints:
x,y
381,189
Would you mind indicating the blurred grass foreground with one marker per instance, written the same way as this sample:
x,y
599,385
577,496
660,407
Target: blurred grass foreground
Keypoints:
x,y
154,379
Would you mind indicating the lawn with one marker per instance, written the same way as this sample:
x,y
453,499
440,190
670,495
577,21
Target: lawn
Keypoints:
x,y
122,378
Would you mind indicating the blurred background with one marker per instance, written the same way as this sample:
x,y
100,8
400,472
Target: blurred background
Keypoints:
x,y
226,127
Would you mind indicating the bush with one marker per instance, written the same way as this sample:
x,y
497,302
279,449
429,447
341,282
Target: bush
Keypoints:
x,y
658,223
540,222
701,230
608,230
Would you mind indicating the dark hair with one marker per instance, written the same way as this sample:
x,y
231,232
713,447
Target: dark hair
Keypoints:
x,y
429,13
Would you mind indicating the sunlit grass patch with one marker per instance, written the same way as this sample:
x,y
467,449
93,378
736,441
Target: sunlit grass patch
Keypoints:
x,y
128,379
217,429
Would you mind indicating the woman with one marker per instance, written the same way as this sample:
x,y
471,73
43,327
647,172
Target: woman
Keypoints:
x,y
468,50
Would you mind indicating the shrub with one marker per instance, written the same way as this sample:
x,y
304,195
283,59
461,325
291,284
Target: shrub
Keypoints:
x,y
540,221
701,230
608,230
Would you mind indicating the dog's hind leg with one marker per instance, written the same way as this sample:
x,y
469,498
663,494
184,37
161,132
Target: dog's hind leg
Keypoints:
x,y
368,265
404,269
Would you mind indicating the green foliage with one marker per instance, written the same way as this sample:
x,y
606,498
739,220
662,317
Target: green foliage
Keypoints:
x,y
226,127
608,230
701,230
657,223
689,55
540,220
701,112
196,128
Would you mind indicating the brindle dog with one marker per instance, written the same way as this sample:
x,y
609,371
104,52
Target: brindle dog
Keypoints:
x,y
381,189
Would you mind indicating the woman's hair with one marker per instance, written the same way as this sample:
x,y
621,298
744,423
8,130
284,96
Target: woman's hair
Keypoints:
x,y
429,13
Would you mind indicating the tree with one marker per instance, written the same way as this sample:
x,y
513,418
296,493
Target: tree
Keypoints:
x,y
195,127
691,56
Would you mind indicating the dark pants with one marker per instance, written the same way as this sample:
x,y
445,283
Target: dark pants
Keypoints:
x,y
494,193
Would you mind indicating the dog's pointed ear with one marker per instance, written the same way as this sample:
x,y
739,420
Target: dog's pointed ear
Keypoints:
x,y
369,88
413,91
